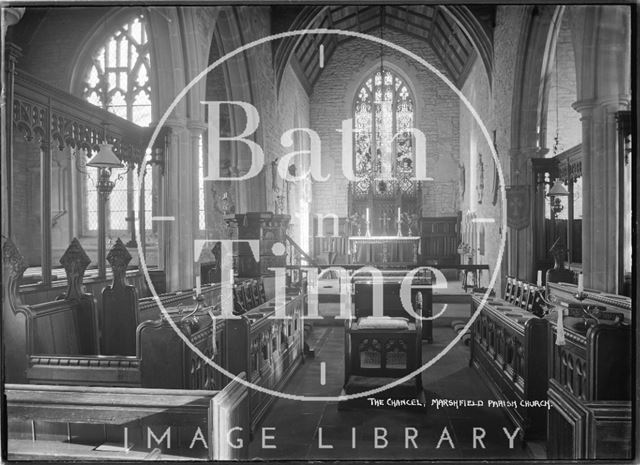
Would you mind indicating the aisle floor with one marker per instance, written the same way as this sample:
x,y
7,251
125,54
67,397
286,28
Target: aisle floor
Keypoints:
x,y
307,430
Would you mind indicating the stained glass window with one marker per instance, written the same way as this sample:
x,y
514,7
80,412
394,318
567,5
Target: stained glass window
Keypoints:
x,y
118,81
383,107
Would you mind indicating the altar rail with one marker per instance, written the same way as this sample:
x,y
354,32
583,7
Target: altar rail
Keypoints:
x,y
67,423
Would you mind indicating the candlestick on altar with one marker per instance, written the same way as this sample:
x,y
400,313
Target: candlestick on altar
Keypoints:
x,y
399,223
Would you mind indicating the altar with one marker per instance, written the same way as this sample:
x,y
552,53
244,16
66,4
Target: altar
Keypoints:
x,y
386,250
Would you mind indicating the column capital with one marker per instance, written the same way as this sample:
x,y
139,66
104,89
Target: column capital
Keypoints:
x,y
12,15
176,124
615,102
196,126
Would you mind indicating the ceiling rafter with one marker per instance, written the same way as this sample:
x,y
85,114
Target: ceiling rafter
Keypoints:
x,y
456,36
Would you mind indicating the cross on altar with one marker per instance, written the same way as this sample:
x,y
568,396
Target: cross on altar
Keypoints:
x,y
384,221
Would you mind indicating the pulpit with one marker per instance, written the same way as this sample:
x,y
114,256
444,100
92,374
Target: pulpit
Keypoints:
x,y
268,229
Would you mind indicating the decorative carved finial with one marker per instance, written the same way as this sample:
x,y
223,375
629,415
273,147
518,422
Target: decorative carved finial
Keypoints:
x,y
16,264
75,261
12,258
119,258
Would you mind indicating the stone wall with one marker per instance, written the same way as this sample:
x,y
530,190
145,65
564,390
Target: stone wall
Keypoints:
x,y
437,116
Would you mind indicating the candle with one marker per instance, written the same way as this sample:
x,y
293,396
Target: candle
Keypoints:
x,y
367,215
198,285
580,284
539,280
560,339
398,214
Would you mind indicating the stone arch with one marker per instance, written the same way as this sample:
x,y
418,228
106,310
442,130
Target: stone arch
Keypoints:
x,y
600,35
536,43
96,38
227,37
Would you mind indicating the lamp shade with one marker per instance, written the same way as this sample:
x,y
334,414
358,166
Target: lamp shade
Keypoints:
x,y
558,190
105,158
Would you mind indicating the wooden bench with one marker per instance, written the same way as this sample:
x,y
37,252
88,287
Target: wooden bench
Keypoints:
x,y
268,349
590,385
509,347
95,423
65,326
162,359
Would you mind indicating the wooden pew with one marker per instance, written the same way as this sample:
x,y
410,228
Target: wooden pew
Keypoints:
x,y
508,347
67,326
162,358
14,314
90,423
267,349
590,386
122,311
120,316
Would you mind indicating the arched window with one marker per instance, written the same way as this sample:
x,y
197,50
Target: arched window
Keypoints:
x,y
384,153
118,80
383,107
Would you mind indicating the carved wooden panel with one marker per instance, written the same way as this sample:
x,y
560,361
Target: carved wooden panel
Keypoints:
x,y
509,349
268,229
120,315
595,362
440,238
167,361
268,349
580,430
14,315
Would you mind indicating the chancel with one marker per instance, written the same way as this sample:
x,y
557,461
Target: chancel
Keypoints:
x,y
319,231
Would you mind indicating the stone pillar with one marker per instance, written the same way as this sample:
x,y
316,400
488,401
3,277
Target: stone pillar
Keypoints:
x,y
604,89
196,130
600,192
181,165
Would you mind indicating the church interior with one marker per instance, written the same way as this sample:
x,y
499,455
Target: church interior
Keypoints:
x,y
319,232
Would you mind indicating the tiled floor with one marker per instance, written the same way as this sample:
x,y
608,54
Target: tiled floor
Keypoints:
x,y
296,426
